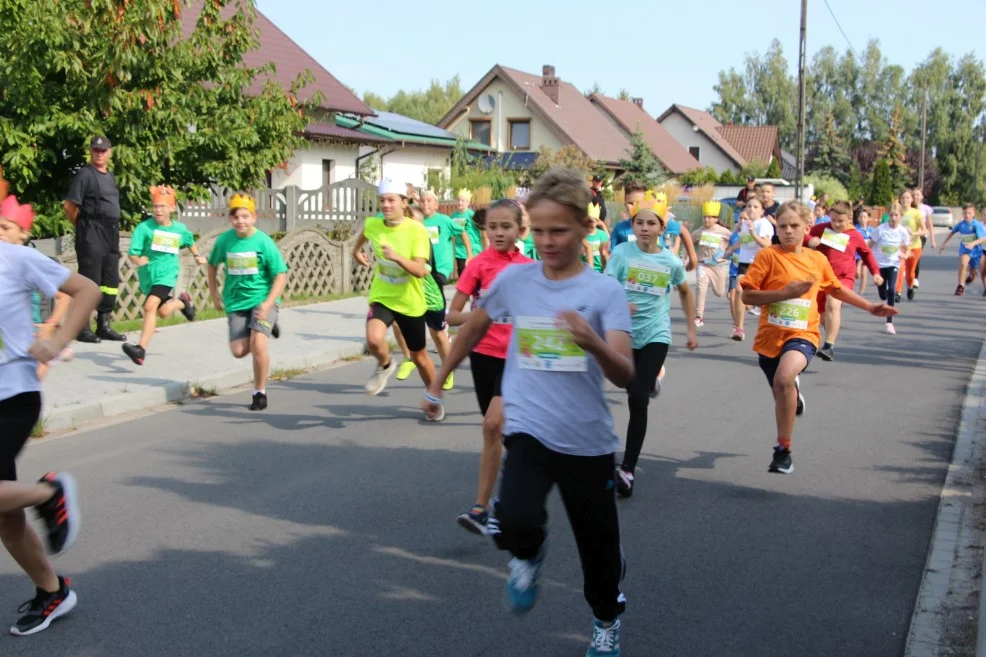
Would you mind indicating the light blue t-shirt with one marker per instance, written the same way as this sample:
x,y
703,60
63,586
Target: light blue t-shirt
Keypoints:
x,y
647,279
671,231
970,231
734,258
622,232
552,390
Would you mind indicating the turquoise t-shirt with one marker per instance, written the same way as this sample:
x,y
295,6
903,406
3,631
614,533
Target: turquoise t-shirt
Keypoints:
x,y
463,220
441,228
647,279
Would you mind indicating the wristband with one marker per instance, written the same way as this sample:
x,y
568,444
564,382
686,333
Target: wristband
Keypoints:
x,y
433,400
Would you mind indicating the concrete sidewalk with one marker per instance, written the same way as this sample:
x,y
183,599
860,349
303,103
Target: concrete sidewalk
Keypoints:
x,y
103,382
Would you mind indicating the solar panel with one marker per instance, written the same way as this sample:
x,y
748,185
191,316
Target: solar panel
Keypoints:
x,y
408,126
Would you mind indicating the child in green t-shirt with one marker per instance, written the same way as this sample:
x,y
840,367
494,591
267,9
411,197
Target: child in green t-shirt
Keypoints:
x,y
596,244
154,248
463,218
255,279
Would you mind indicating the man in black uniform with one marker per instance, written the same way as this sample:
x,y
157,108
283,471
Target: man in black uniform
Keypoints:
x,y
93,207
597,196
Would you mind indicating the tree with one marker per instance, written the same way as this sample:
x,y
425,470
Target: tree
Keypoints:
x,y
729,178
625,95
829,154
570,156
180,109
774,170
699,176
894,153
882,187
641,166
854,181
428,105
595,89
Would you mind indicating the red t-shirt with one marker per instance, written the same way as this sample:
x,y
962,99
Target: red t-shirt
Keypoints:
x,y
844,262
475,280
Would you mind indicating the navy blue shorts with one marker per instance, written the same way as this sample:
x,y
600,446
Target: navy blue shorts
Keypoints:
x,y
769,365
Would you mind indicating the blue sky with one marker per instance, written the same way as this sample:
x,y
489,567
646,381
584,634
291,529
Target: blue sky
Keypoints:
x,y
663,52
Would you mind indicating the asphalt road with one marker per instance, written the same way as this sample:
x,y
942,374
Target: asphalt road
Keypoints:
x,y
326,526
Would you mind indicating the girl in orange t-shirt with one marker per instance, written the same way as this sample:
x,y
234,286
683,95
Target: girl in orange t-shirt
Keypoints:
x,y
785,279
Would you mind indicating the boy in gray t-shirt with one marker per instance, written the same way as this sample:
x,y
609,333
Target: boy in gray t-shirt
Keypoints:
x,y
571,329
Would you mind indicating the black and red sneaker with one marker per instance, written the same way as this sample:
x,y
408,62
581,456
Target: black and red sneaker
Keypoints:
x,y
960,290
136,353
44,608
187,309
61,512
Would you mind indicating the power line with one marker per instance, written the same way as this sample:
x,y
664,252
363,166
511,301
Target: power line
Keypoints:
x,y
843,31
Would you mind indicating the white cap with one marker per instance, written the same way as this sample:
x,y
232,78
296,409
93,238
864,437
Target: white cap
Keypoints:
x,y
388,186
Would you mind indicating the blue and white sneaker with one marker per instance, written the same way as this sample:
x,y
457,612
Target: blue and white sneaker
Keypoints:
x,y
521,590
605,640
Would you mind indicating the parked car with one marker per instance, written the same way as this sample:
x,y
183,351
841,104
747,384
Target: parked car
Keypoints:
x,y
942,217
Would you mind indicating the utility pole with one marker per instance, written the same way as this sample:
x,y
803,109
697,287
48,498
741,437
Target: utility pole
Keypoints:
x,y
802,87
924,134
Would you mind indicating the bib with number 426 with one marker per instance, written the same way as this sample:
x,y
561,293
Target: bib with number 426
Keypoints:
x,y
542,345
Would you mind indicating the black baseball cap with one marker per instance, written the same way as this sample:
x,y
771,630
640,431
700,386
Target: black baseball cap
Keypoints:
x,y
100,143
597,178
751,179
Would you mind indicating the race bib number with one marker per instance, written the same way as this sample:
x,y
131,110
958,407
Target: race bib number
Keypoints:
x,y
711,240
746,239
391,272
736,259
244,263
594,248
647,278
792,313
433,233
968,239
837,241
889,249
166,242
542,346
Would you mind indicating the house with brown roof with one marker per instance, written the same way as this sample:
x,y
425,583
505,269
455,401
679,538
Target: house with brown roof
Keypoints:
x,y
720,146
629,116
518,113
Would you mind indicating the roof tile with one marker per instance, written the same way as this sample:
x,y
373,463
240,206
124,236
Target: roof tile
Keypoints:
x,y
756,143
631,116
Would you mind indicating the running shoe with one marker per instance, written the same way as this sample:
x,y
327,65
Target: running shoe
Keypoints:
x,y
738,334
187,309
890,330
897,297
781,463
827,353
968,279
136,353
259,402
656,390
405,369
45,607
475,519
910,294
438,417
605,639
275,331
960,290
916,284
449,382
521,590
381,374
60,513
755,311
801,398
624,483
699,323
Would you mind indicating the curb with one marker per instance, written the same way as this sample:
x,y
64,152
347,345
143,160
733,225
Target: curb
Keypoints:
x,y
78,415
955,530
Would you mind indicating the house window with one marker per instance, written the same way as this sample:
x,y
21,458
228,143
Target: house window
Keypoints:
x,y
520,134
328,172
480,131
694,150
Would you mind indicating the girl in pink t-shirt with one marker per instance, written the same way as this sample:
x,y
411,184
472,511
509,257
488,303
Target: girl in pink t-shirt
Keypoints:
x,y
503,221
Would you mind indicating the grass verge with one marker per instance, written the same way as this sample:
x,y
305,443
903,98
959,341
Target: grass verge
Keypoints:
x,y
281,374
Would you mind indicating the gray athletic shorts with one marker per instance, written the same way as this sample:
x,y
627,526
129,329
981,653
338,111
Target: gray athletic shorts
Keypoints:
x,y
241,322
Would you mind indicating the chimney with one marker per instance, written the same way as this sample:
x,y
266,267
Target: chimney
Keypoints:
x,y
549,83
639,102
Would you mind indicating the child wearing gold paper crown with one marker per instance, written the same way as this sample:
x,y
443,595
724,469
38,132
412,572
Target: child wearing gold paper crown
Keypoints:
x,y
713,265
255,279
596,244
154,249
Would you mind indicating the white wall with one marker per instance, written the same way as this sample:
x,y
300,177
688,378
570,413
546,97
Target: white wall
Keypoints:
x,y
709,155
509,105
305,168
410,164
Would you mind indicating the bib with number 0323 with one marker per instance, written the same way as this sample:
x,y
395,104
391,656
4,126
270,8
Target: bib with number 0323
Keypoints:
x,y
242,263
390,271
837,241
792,313
647,278
541,345
711,240
433,233
166,242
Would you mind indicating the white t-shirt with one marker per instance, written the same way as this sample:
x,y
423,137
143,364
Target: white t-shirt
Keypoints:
x,y
749,248
22,271
887,242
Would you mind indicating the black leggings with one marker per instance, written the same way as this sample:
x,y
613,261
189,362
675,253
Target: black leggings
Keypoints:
x,y
530,471
18,415
917,267
888,291
647,363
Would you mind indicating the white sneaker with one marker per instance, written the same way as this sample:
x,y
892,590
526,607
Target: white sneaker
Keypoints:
x,y
699,323
890,330
376,383
916,283
755,311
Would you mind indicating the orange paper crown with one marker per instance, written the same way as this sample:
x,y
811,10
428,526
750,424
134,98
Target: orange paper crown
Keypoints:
x,y
162,195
